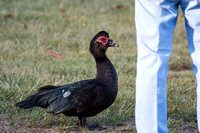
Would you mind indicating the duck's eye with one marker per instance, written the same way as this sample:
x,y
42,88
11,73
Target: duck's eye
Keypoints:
x,y
103,39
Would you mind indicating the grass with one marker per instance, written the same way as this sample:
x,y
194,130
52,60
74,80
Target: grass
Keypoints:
x,y
34,27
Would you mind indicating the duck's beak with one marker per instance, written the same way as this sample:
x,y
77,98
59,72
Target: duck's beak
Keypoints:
x,y
113,45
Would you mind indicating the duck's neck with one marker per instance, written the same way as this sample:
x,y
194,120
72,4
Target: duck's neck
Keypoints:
x,y
106,73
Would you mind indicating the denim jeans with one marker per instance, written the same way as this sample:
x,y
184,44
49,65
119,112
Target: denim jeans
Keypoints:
x,y
155,23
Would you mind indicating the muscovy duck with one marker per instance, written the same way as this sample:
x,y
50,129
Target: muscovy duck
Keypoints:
x,y
84,98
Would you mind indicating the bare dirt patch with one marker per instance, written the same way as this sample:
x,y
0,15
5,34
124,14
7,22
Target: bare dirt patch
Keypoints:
x,y
127,127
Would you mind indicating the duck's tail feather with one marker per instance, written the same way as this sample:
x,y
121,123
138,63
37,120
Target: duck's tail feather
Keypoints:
x,y
39,99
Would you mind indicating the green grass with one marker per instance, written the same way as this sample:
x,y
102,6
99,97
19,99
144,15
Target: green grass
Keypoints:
x,y
38,26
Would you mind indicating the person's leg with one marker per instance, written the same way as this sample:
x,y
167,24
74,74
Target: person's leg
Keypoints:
x,y
155,23
191,12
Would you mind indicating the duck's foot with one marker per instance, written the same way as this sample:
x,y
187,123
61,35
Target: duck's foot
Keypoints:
x,y
83,123
96,127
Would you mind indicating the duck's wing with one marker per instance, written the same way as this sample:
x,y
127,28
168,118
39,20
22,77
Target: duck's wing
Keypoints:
x,y
79,96
59,99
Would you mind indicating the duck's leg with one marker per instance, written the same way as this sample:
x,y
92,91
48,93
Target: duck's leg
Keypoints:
x,y
83,123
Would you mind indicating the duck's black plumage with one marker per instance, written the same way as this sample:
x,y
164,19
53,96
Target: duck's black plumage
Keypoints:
x,y
84,98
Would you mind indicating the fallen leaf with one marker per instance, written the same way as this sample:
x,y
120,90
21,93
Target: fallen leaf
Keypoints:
x,y
100,10
70,39
61,7
9,15
43,35
25,26
119,7
180,14
64,15
22,54
112,8
184,67
117,16
54,54
3,25
171,77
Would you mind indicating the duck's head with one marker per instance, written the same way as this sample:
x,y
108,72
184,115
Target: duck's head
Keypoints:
x,y
100,43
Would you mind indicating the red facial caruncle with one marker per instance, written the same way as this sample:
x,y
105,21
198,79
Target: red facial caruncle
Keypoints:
x,y
104,40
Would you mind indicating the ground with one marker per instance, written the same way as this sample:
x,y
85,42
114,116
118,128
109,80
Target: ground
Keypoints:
x,y
46,43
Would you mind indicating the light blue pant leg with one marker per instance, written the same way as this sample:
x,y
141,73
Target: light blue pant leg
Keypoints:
x,y
191,12
155,23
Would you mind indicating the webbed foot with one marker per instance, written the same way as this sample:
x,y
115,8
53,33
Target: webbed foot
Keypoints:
x,y
83,123
96,127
